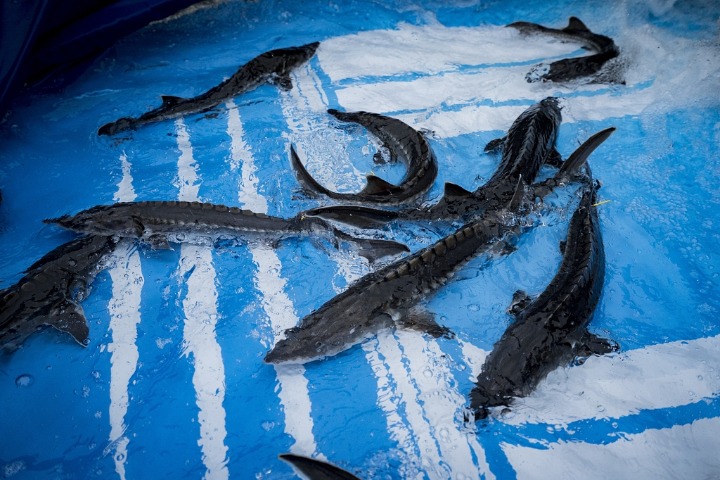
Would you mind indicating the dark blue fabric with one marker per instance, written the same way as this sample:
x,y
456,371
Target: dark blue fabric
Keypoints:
x,y
40,39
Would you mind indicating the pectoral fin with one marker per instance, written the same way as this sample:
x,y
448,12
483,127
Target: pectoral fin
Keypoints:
x,y
421,320
69,317
282,81
495,145
519,302
591,344
554,159
372,248
159,242
378,186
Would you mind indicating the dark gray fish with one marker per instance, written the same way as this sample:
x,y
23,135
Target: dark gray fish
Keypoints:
x,y
552,329
158,222
604,49
529,144
404,143
314,469
270,67
389,296
51,291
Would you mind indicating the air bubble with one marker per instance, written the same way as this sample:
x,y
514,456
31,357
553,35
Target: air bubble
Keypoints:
x,y
24,380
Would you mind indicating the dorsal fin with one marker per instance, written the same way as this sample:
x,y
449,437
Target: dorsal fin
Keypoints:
x,y
170,100
378,186
575,24
453,190
517,197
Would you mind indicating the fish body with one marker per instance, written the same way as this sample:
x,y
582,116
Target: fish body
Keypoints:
x,y
529,143
158,222
50,292
404,143
389,296
552,329
270,67
604,49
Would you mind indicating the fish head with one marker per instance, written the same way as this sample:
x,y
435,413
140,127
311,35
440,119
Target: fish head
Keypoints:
x,y
327,333
284,60
102,220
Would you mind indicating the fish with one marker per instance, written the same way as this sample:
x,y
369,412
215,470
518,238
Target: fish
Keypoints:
x,y
389,297
314,469
528,145
50,292
404,143
272,67
158,222
550,330
564,70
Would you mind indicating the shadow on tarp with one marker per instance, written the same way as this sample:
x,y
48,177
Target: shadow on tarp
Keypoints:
x,y
41,39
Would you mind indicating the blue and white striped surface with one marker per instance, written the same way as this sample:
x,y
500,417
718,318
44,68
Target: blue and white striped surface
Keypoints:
x,y
173,384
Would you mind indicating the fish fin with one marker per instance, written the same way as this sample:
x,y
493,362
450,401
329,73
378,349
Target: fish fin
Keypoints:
x,y
517,197
453,190
372,249
313,468
159,242
378,186
138,226
562,246
576,25
283,82
519,302
360,217
309,184
69,317
170,100
554,159
578,158
495,145
419,319
591,344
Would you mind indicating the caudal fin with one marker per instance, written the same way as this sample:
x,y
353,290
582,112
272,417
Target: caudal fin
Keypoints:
x,y
314,469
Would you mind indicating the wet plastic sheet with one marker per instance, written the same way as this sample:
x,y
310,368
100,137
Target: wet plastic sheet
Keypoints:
x,y
172,383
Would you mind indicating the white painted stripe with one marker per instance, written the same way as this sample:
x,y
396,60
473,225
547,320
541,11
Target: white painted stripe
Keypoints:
x,y
440,449
279,310
613,386
683,451
124,309
317,143
431,49
201,315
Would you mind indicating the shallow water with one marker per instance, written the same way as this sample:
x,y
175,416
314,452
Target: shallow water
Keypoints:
x,y
173,382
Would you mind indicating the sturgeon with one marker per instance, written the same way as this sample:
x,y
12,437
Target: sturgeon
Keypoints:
x,y
389,296
51,291
529,143
552,329
604,49
404,143
158,222
272,67
314,469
